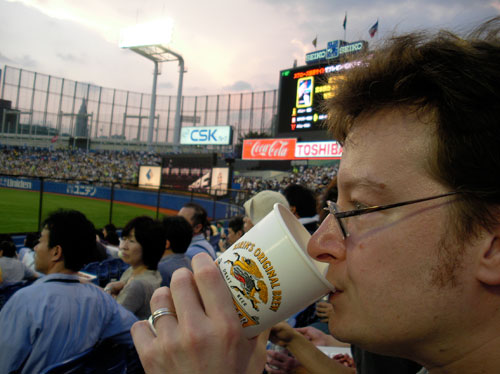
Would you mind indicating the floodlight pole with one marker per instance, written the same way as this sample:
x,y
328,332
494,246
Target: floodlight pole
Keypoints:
x,y
177,126
152,110
157,54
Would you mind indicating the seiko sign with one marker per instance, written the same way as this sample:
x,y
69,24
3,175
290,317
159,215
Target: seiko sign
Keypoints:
x,y
219,135
334,49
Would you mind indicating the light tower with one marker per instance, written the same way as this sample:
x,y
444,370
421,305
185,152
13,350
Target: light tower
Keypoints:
x,y
151,40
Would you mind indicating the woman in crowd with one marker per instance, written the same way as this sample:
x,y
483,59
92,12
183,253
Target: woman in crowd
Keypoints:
x,y
142,246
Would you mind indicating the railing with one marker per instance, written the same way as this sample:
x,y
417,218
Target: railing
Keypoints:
x,y
26,200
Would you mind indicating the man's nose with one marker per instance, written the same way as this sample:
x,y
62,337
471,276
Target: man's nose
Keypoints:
x,y
327,243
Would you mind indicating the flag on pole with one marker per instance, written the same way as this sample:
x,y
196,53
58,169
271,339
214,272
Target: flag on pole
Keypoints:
x,y
315,41
373,30
344,24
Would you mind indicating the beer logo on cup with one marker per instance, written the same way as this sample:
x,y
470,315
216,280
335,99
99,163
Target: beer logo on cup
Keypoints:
x,y
248,275
246,269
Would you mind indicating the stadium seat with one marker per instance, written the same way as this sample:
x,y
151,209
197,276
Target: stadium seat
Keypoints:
x,y
105,358
8,289
73,364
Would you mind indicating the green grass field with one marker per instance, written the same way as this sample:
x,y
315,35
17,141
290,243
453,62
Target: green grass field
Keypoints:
x,y
19,210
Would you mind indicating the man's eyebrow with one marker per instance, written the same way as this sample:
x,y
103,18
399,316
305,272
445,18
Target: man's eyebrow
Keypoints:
x,y
350,182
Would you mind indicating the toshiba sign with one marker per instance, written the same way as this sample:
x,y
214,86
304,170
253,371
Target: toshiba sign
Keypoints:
x,y
289,149
318,150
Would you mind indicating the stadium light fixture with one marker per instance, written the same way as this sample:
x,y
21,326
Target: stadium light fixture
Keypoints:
x,y
151,40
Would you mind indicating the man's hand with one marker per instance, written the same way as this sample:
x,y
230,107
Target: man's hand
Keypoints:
x,y
205,337
323,310
280,362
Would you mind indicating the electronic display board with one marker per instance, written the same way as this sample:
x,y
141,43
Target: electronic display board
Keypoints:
x,y
181,170
301,92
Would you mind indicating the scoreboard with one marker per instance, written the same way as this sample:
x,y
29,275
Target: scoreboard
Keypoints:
x,y
302,91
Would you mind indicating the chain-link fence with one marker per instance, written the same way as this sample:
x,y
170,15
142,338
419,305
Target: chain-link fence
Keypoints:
x,y
47,108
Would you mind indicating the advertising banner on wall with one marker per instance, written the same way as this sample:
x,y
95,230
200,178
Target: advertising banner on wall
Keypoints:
x,y
209,135
149,176
290,149
268,149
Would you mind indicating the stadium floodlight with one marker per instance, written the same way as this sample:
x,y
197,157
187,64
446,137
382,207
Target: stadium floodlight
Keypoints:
x,y
157,32
151,40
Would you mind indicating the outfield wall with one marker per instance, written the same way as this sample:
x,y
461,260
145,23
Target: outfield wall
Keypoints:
x,y
216,209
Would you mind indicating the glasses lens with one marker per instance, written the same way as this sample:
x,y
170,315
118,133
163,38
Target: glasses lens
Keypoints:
x,y
334,208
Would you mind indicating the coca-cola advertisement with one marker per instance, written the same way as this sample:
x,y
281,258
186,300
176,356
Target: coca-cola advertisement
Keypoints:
x,y
269,149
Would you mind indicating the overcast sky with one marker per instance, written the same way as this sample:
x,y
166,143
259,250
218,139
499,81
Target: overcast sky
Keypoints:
x,y
227,45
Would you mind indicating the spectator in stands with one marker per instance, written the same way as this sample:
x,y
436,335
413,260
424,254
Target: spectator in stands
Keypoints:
x,y
142,246
27,254
196,215
413,242
260,206
58,317
234,232
178,234
303,205
110,235
13,270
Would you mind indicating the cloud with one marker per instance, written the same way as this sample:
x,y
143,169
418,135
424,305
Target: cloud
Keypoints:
x,y
69,57
167,85
238,86
27,61
5,59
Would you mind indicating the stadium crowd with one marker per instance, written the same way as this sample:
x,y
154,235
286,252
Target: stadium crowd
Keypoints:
x,y
122,167
102,166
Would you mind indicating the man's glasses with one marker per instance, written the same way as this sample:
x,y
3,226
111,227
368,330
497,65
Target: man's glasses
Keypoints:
x,y
334,210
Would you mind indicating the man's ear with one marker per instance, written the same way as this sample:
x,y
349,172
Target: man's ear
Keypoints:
x,y
489,263
197,228
57,253
167,244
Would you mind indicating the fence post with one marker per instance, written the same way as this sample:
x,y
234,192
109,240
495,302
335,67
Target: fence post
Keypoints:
x,y
158,202
40,204
111,199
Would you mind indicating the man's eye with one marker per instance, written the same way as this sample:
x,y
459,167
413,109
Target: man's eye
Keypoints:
x,y
358,206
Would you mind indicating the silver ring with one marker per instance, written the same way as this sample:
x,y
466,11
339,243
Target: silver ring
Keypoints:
x,y
161,312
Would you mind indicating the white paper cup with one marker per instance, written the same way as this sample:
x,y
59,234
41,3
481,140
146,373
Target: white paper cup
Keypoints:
x,y
269,272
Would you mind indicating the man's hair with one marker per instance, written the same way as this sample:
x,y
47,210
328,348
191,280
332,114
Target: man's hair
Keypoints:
x,y
149,234
179,232
236,224
8,248
302,198
71,230
453,85
199,216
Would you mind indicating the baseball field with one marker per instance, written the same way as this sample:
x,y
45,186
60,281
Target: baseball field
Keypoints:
x,y
19,209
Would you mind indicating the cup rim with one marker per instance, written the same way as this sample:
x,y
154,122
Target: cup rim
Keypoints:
x,y
279,209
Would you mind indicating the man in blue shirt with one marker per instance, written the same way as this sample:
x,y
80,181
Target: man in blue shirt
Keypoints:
x,y
196,215
58,317
178,234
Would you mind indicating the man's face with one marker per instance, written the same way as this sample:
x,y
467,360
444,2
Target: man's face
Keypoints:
x,y
386,271
232,236
43,253
247,223
188,214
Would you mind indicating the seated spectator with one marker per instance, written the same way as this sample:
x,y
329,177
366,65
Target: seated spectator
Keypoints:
x,y
142,246
303,205
178,234
27,254
260,206
196,215
58,317
13,270
234,232
110,236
